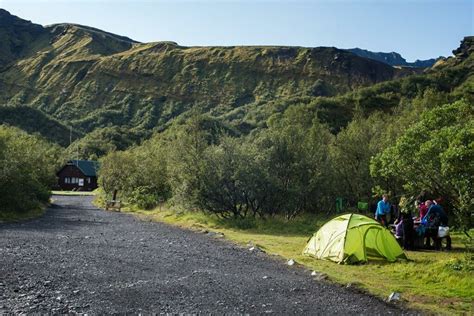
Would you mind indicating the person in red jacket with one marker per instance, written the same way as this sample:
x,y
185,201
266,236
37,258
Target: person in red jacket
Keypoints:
x,y
423,208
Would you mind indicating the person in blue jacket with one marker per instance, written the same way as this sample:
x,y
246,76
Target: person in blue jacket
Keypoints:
x,y
383,208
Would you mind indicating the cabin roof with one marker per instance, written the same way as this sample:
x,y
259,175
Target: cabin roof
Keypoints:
x,y
88,167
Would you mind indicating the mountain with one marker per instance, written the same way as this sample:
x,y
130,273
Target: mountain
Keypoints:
x,y
393,59
92,79
15,36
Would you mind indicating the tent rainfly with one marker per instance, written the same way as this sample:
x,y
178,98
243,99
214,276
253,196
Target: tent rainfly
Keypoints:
x,y
353,238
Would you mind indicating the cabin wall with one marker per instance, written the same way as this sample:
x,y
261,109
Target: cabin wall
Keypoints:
x,y
70,172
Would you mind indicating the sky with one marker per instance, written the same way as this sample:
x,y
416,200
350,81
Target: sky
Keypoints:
x,y
417,29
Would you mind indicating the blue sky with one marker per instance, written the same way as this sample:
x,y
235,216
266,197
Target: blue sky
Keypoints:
x,y
418,29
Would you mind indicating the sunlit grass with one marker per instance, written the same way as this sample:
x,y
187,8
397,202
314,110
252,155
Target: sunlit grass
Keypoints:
x,y
433,281
74,193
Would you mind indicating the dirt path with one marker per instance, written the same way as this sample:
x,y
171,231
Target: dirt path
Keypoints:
x,y
79,259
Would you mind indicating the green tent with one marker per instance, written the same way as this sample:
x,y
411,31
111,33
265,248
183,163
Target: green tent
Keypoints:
x,y
353,238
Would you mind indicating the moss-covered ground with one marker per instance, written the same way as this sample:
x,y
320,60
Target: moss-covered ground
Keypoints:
x,y
440,282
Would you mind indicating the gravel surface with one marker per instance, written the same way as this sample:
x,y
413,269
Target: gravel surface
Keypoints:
x,y
79,259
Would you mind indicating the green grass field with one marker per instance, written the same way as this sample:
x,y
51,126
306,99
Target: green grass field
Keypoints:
x,y
78,193
434,282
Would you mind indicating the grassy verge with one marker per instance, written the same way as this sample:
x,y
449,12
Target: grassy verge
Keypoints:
x,y
77,193
435,282
6,217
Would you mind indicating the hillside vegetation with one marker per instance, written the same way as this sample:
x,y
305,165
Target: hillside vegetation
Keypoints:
x,y
34,121
250,136
92,79
409,135
27,171
238,131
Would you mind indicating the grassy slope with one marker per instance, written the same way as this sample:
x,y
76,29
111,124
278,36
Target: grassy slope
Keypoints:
x,y
34,121
93,79
438,282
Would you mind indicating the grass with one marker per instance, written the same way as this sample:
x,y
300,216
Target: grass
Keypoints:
x,y
432,281
6,217
76,193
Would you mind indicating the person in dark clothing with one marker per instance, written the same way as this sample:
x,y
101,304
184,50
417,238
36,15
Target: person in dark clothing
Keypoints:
x,y
434,218
408,231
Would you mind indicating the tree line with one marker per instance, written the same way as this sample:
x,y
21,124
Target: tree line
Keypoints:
x,y
297,165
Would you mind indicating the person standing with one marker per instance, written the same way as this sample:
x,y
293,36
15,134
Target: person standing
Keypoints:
x,y
383,208
434,218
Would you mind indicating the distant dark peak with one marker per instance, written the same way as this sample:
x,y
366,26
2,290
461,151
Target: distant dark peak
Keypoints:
x,y
64,27
466,48
15,36
9,21
392,58
4,13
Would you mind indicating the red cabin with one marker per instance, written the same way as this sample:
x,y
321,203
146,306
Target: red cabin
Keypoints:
x,y
78,175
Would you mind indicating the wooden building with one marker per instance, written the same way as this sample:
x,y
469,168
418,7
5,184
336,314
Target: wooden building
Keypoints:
x,y
78,175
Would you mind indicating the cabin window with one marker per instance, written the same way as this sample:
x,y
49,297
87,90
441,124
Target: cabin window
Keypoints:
x,y
67,180
89,180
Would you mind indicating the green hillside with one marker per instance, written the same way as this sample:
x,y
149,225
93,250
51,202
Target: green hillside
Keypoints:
x,y
92,79
36,122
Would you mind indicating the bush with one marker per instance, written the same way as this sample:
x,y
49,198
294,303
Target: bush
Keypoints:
x,y
27,170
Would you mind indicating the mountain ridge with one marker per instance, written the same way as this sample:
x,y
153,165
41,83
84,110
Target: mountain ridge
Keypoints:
x,y
113,90
393,58
91,79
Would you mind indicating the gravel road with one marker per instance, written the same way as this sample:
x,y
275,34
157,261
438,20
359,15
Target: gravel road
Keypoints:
x,y
79,259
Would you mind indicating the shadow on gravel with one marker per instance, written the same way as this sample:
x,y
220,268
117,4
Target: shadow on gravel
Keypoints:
x,y
61,218
57,223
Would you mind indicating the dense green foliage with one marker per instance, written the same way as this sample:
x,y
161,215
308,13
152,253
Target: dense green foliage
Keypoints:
x,y
296,161
241,131
436,154
27,170
102,141
36,122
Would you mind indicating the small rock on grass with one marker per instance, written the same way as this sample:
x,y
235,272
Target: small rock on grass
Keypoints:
x,y
319,276
394,297
255,249
215,234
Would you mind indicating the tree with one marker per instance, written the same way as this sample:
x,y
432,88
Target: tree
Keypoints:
x,y
298,165
27,169
232,183
435,154
353,148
